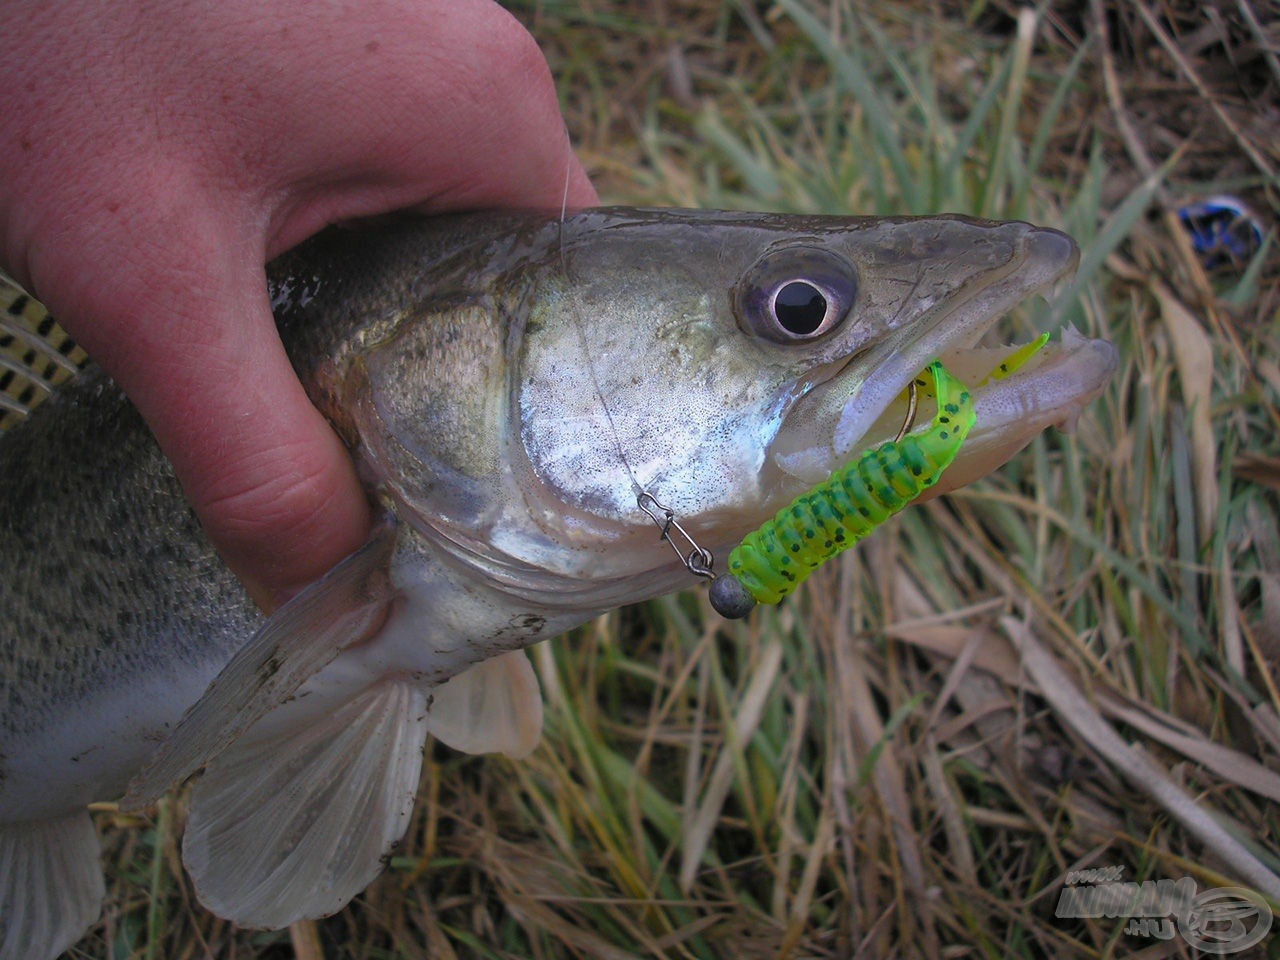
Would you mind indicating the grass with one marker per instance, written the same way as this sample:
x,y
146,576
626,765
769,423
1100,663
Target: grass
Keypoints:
x,y
1068,665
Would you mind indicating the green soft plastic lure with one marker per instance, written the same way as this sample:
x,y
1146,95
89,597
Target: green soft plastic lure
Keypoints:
x,y
830,518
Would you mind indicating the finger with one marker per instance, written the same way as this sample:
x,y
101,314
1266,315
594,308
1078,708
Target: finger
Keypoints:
x,y
348,111
372,108
188,334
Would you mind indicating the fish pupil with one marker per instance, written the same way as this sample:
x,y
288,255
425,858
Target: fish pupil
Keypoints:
x,y
800,308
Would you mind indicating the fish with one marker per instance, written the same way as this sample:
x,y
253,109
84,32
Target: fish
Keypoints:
x,y
512,386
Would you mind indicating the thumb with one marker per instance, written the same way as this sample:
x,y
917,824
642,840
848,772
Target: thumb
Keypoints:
x,y
186,330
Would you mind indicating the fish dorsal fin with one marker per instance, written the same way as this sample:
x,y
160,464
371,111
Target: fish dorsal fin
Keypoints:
x,y
493,707
339,610
50,885
293,825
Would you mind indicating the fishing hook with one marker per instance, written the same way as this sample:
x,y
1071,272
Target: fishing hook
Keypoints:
x,y
913,404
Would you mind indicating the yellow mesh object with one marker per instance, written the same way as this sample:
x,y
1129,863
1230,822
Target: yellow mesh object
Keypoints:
x,y
35,354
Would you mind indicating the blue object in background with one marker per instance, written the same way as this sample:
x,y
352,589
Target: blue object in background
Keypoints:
x,y
1222,230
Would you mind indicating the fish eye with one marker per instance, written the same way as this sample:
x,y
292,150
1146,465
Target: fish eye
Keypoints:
x,y
795,294
800,308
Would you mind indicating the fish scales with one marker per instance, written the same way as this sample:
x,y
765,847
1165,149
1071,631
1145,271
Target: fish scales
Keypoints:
x,y
98,581
507,384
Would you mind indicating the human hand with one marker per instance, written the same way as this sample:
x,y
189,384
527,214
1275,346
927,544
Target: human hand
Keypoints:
x,y
154,155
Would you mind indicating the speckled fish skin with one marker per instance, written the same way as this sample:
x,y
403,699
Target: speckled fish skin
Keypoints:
x,y
107,583
506,384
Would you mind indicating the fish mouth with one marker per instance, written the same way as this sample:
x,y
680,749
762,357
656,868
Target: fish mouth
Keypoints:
x,y
867,398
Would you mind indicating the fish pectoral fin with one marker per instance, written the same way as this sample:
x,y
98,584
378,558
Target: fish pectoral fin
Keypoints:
x,y
341,609
293,825
51,885
493,707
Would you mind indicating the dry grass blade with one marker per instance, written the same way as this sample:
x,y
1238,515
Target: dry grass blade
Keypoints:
x,y
703,820
1194,357
1245,143
1075,709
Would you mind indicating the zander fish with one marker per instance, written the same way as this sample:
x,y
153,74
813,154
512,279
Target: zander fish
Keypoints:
x,y
511,386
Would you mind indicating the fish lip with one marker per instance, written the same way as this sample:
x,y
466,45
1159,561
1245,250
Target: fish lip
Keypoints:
x,y
1048,261
1051,390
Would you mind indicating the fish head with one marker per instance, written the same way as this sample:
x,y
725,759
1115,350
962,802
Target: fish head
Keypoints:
x,y
723,362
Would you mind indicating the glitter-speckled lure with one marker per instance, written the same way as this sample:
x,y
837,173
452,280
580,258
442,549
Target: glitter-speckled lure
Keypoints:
x,y
834,515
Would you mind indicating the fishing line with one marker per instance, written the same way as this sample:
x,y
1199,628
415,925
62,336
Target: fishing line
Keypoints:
x,y
697,560
580,326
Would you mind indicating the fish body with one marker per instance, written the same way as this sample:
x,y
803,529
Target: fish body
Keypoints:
x,y
509,384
